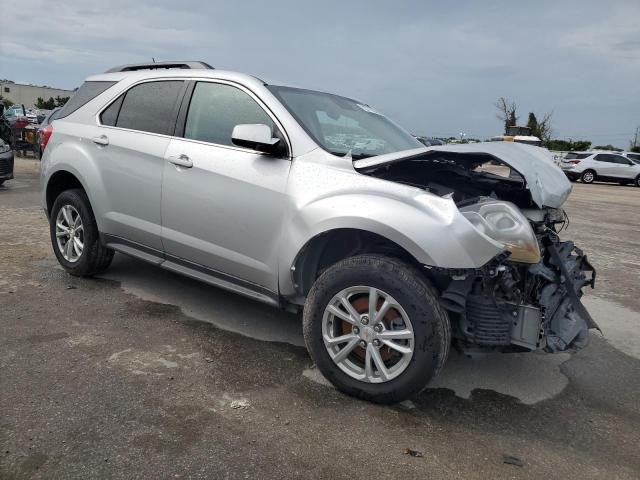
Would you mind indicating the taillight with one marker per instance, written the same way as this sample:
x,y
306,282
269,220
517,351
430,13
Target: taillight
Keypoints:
x,y
45,135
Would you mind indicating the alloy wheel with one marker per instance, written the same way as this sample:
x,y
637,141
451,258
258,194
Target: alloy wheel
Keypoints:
x,y
368,334
69,233
588,177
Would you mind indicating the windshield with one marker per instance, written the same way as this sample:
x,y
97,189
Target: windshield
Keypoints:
x,y
340,125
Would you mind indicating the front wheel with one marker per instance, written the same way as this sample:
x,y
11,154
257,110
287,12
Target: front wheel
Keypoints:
x,y
588,176
637,181
375,328
75,237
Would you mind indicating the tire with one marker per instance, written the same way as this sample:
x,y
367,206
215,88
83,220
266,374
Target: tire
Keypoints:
x,y
94,258
1,182
636,182
417,299
588,176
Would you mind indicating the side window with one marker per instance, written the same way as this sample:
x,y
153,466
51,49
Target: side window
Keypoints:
x,y
87,92
603,157
110,115
216,108
149,107
620,159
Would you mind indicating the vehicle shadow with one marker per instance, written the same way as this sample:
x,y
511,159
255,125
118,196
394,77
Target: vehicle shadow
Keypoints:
x,y
529,377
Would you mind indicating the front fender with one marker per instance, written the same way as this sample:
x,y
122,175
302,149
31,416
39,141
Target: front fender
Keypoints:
x,y
430,228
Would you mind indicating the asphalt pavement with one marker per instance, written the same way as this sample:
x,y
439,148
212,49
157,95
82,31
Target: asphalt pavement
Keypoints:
x,y
145,374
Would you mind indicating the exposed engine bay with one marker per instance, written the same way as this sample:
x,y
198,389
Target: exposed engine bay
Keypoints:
x,y
511,306
528,297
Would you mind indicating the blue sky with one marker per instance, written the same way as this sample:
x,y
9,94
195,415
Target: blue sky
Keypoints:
x,y
437,68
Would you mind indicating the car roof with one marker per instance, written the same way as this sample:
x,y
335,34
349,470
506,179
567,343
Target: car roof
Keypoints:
x,y
138,75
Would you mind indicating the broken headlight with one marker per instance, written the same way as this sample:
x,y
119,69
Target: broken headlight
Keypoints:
x,y
503,222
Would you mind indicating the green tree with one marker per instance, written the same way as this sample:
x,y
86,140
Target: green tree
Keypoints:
x,y
5,101
45,104
607,147
540,129
581,145
567,145
60,101
532,123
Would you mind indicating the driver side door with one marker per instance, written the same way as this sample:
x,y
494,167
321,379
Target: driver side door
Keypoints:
x,y
223,205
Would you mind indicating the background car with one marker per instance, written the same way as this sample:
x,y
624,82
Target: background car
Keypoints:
x,y
633,156
6,162
44,131
607,167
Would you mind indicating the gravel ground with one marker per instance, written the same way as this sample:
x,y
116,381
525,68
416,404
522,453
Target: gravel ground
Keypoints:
x,y
144,374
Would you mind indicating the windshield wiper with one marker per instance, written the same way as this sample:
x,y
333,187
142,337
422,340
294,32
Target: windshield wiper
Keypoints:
x,y
354,156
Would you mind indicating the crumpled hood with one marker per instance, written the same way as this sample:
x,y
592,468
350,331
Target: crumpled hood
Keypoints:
x,y
548,185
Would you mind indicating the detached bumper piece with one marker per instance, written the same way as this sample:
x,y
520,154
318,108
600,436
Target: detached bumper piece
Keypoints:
x,y
568,321
517,307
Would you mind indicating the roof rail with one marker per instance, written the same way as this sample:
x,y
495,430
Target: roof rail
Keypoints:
x,y
161,65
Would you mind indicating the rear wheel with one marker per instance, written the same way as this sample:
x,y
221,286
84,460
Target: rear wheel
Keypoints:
x,y
588,176
375,328
75,237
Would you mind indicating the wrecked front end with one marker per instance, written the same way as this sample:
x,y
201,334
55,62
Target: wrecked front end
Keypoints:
x,y
515,306
527,297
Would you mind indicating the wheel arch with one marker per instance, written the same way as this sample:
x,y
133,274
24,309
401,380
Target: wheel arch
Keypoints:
x,y
329,247
58,182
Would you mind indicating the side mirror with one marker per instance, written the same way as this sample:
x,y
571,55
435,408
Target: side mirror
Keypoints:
x,y
256,136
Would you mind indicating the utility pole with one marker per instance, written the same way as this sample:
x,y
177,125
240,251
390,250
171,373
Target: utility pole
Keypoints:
x,y
635,138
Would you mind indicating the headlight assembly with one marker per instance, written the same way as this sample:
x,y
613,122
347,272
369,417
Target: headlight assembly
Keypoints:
x,y
4,148
503,222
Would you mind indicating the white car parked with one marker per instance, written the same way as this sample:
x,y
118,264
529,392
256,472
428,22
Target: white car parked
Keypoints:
x,y
608,167
633,156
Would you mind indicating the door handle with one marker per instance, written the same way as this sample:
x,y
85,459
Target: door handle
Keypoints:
x,y
101,140
181,160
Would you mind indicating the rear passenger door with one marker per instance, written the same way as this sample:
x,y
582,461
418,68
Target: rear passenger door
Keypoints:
x,y
623,168
224,210
605,165
134,136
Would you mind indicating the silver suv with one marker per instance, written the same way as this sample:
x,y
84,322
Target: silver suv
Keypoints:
x,y
318,203
602,166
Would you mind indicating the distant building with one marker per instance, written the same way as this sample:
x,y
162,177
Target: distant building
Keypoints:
x,y
27,95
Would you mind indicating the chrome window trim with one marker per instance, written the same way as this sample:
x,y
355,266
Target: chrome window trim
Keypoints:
x,y
241,87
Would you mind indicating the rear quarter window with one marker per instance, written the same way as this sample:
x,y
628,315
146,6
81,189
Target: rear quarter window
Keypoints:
x,y
87,92
148,107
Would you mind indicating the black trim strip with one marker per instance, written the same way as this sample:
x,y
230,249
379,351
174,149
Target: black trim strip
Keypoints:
x,y
181,119
217,278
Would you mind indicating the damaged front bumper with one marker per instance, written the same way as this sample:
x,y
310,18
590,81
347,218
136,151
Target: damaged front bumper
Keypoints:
x,y
508,306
